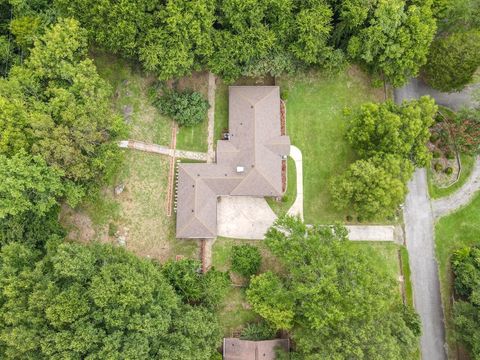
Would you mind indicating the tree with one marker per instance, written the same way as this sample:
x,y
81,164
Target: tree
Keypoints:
x,y
393,42
193,286
95,302
187,108
58,107
344,303
453,60
466,268
28,185
401,130
372,188
246,260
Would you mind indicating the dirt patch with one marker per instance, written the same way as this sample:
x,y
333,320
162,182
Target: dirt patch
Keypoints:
x,y
78,224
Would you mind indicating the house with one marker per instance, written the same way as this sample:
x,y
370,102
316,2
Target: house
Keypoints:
x,y
248,162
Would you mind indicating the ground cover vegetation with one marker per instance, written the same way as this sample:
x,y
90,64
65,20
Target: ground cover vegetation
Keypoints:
x,y
335,298
233,38
458,232
391,141
466,308
455,53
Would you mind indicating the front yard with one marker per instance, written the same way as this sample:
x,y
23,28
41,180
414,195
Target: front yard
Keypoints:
x,y
453,232
316,124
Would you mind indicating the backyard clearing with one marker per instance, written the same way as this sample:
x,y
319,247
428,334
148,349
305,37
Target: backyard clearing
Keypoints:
x,y
316,125
453,232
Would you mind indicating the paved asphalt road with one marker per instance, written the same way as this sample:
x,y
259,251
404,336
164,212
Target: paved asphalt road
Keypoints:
x,y
419,231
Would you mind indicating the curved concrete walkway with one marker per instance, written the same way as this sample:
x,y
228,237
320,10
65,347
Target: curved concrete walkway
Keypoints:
x,y
297,207
444,206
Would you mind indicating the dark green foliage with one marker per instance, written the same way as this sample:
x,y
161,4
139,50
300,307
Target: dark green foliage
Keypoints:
x,y
95,302
337,297
258,331
466,268
449,171
453,60
58,107
30,228
193,286
187,108
388,128
438,167
246,260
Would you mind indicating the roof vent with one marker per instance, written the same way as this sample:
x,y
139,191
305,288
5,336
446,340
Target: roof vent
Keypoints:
x,y
240,169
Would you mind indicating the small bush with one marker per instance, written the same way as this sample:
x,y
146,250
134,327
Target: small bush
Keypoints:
x,y
449,171
450,155
434,137
359,218
246,260
349,218
438,167
187,108
258,331
436,154
285,198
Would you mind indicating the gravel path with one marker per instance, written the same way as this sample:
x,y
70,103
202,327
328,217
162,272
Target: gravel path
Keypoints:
x,y
163,150
444,206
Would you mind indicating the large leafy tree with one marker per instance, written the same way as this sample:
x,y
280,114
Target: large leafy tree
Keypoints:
x,y
57,107
372,188
28,184
344,303
394,37
95,302
453,60
402,130
466,267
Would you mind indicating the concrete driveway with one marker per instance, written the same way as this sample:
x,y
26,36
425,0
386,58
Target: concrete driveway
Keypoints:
x,y
243,217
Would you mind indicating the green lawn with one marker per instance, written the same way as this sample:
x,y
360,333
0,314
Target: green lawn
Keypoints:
x,y
316,125
454,232
281,207
221,109
436,192
406,275
193,138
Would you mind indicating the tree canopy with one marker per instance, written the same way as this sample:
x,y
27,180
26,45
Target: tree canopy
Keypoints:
x,y
335,297
95,302
57,107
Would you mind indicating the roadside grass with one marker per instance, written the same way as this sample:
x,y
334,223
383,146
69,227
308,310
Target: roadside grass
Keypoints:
x,y
281,207
315,124
454,232
436,192
407,275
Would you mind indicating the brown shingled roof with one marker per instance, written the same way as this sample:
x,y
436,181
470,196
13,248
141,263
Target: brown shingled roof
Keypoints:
x,y
255,144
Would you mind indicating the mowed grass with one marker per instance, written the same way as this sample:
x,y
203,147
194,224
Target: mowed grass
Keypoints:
x,y
281,207
454,232
193,138
316,124
221,109
436,192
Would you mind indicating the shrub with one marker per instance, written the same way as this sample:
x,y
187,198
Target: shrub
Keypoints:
x,y
450,155
453,60
359,218
436,154
438,167
258,331
349,218
187,108
434,137
449,171
246,260
285,198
